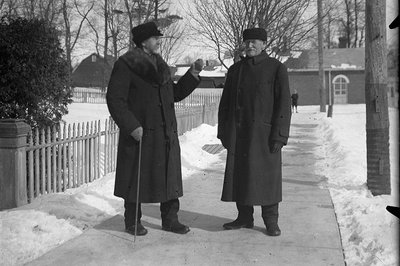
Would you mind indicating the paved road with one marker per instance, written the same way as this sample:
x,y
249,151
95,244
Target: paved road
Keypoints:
x,y
310,234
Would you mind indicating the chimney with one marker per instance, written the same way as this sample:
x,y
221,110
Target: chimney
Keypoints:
x,y
342,42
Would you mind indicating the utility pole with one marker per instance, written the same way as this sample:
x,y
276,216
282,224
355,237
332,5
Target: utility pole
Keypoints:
x,y
322,92
378,163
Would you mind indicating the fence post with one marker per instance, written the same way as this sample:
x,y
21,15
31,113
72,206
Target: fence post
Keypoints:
x,y
13,142
203,120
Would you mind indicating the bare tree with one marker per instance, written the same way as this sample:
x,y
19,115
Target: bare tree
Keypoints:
x,y
353,22
221,23
331,18
71,33
171,42
48,10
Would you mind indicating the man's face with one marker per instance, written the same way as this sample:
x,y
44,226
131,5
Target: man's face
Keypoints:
x,y
254,47
152,44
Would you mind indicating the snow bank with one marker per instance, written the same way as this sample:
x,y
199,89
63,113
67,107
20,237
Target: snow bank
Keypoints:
x,y
194,159
369,233
27,234
30,231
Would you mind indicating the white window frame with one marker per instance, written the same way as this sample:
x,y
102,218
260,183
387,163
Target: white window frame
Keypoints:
x,y
334,84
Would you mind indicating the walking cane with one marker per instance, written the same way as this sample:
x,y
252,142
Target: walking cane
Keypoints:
x,y
137,191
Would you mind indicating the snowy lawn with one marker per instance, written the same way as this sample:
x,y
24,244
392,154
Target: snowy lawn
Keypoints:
x,y
368,231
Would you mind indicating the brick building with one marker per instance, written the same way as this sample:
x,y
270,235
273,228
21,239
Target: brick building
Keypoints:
x,y
344,75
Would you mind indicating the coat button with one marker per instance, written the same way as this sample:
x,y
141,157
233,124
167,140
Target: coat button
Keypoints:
x,y
160,104
163,124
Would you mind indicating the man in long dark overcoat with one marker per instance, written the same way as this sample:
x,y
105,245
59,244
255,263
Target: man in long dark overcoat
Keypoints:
x,y
253,125
140,98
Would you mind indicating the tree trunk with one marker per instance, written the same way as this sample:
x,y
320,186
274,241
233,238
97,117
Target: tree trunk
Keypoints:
x,y
156,10
356,11
67,42
105,43
378,163
322,93
348,23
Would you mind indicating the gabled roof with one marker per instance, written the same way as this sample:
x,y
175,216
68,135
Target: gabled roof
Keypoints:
x,y
92,73
351,58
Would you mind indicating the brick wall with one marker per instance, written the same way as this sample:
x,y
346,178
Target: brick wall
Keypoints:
x,y
307,85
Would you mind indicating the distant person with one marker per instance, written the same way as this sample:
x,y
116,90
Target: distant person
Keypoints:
x,y
253,125
295,97
140,98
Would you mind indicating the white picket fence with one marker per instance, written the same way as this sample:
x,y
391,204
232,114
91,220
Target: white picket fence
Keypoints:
x,y
68,156
92,95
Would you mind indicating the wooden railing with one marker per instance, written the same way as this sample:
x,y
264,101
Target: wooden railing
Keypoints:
x,y
89,96
65,157
86,95
189,118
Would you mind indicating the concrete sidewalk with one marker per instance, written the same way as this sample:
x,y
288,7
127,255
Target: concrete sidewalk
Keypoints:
x,y
310,234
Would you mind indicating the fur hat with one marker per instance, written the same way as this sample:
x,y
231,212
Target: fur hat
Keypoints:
x,y
254,33
144,31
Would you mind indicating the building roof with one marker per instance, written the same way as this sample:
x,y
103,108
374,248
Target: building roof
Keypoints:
x,y
92,72
342,58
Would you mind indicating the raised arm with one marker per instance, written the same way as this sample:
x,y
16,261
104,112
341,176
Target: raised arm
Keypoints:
x,y
188,82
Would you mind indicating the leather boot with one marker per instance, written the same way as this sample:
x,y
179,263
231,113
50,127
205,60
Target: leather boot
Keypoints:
x,y
273,228
130,217
141,231
270,216
169,216
237,224
176,227
244,220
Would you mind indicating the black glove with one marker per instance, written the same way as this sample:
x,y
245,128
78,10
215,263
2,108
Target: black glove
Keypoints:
x,y
276,146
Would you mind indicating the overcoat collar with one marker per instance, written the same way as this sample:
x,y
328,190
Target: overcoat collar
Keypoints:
x,y
258,58
152,71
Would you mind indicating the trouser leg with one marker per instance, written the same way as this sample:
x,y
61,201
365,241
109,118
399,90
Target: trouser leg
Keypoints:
x,y
245,212
270,213
130,213
169,211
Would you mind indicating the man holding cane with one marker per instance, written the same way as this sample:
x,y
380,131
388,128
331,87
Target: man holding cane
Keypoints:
x,y
140,98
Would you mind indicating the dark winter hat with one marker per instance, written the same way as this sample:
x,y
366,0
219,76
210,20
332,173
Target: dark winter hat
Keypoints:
x,y
254,33
144,31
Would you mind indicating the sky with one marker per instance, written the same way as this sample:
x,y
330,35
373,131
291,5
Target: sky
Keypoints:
x,y
191,47
194,48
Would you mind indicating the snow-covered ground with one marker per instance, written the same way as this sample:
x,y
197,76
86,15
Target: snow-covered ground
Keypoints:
x,y
368,231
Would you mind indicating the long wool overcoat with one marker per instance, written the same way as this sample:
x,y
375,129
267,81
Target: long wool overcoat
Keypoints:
x,y
254,112
142,93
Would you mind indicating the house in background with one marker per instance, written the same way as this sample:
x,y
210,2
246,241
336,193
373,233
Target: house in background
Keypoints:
x,y
93,71
344,75
344,70
212,76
